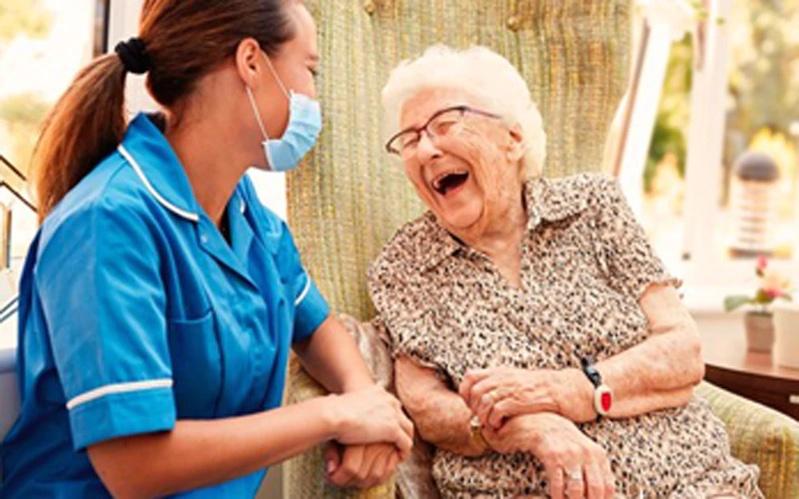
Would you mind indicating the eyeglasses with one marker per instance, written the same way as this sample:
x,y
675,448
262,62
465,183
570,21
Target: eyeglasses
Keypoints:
x,y
440,124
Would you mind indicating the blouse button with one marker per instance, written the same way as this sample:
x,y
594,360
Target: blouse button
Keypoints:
x,y
369,6
514,23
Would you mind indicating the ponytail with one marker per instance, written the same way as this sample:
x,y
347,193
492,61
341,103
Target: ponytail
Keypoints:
x,y
86,124
185,40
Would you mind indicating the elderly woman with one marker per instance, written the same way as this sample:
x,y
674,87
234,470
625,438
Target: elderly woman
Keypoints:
x,y
540,345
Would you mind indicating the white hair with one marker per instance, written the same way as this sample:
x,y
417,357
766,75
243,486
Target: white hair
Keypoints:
x,y
480,72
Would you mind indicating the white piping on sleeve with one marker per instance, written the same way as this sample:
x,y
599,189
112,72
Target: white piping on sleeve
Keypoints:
x,y
305,290
102,391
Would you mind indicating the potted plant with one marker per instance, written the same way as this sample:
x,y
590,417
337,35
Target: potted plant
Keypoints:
x,y
759,318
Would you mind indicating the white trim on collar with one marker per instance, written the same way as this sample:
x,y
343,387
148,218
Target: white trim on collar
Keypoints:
x,y
169,206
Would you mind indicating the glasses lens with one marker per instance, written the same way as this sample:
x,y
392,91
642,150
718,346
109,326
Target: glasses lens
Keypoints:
x,y
403,141
443,123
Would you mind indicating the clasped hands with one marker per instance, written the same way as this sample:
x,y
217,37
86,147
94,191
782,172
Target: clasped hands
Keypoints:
x,y
535,411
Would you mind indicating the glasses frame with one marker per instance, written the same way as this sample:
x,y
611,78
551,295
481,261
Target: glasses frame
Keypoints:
x,y
424,128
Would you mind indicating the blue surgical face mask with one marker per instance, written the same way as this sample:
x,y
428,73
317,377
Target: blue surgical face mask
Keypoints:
x,y
305,123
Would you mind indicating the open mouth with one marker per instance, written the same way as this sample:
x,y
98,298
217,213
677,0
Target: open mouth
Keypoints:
x,y
449,182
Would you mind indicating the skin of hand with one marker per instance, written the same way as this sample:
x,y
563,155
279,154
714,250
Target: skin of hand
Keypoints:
x,y
361,466
562,448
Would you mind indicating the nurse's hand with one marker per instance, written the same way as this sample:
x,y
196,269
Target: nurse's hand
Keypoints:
x,y
371,415
360,466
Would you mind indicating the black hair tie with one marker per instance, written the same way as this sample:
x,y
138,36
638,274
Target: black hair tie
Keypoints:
x,y
134,56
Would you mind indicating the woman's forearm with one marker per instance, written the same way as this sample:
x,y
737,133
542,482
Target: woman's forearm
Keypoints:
x,y
332,358
201,453
579,406
669,359
653,401
440,415
659,372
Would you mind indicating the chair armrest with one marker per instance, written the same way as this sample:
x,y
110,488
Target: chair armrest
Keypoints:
x,y
759,435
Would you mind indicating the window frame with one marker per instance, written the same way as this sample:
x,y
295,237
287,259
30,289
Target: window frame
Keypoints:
x,y
708,278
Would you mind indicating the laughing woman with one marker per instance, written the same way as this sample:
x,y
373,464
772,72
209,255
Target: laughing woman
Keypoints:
x,y
160,300
540,344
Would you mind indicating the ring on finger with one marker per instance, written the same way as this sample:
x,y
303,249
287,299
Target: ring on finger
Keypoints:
x,y
575,475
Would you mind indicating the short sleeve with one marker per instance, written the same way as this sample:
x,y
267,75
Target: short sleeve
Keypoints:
x,y
99,286
310,307
410,323
627,257
413,338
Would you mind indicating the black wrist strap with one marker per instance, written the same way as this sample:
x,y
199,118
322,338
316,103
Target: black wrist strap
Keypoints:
x,y
591,372
587,364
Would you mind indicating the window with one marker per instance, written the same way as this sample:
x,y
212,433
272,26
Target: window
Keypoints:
x,y
43,43
720,183
762,117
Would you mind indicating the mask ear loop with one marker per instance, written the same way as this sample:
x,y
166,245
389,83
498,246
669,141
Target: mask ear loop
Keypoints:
x,y
256,113
274,74
260,125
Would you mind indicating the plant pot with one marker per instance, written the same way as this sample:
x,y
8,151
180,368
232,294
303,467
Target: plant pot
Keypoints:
x,y
786,331
759,331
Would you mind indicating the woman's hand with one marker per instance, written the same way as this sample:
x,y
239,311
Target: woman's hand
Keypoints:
x,y
575,465
360,466
497,394
370,415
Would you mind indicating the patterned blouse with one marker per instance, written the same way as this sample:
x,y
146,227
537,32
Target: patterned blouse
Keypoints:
x,y
585,263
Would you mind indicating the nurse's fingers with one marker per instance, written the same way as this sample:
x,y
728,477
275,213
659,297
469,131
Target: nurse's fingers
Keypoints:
x,y
352,467
405,423
404,443
393,462
332,458
378,468
389,469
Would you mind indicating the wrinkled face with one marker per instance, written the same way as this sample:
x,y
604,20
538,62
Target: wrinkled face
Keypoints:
x,y
468,175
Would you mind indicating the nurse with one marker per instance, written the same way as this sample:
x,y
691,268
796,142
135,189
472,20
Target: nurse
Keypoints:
x,y
160,299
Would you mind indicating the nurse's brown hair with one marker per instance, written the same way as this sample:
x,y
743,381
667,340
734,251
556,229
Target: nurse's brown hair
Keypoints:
x,y
183,40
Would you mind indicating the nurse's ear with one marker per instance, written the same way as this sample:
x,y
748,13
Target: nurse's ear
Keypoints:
x,y
250,63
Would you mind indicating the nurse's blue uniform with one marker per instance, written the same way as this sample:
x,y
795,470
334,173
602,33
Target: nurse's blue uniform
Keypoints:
x,y
136,312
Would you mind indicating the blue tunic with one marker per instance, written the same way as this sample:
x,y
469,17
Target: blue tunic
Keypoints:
x,y
136,312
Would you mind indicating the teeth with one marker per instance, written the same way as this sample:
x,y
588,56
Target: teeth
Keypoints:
x,y
439,178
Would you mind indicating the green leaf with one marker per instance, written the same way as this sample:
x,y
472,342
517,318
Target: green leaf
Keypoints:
x,y
735,301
